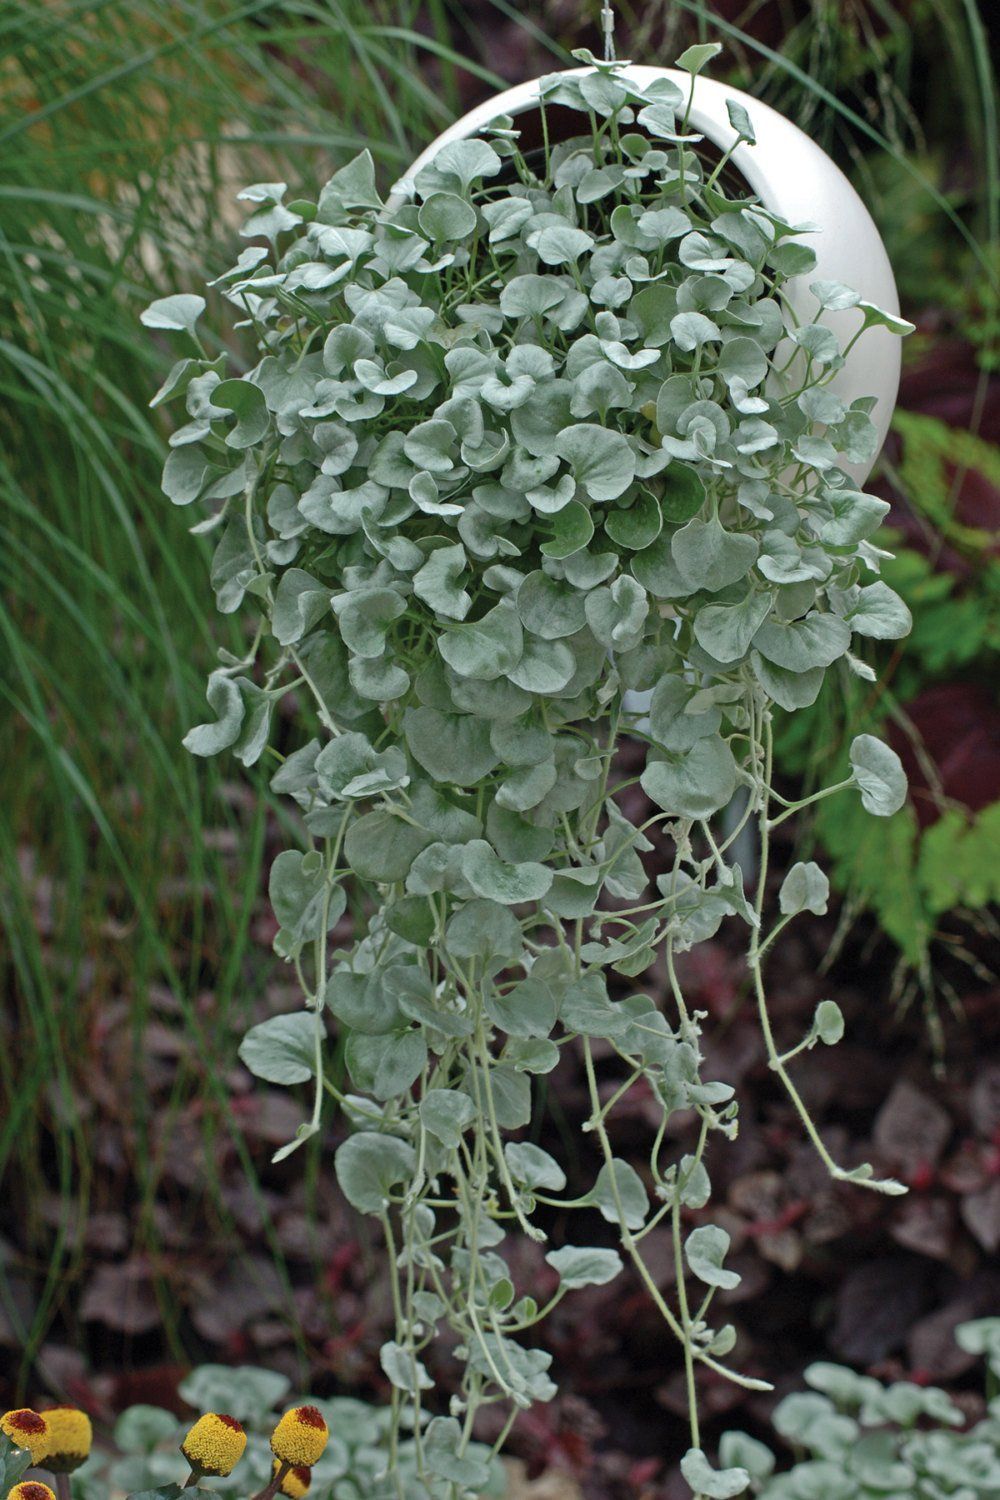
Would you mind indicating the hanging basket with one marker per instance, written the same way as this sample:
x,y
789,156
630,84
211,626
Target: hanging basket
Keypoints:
x,y
799,183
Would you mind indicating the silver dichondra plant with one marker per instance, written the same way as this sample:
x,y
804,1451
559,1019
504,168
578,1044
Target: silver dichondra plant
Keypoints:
x,y
545,438
860,1440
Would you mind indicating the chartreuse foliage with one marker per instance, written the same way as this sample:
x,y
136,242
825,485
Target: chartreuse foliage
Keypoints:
x,y
517,446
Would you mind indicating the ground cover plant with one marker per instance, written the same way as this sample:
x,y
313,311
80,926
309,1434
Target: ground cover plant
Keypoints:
x,y
477,497
863,1438
331,1447
857,1439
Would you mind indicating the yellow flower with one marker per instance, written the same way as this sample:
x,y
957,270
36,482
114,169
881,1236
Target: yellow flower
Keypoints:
x,y
69,1440
27,1431
30,1489
215,1444
295,1482
300,1437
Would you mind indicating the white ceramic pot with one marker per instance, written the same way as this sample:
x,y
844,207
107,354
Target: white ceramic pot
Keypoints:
x,y
799,183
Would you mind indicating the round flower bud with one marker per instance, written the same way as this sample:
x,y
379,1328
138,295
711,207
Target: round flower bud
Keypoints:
x,y
215,1444
300,1437
69,1440
27,1431
295,1482
30,1489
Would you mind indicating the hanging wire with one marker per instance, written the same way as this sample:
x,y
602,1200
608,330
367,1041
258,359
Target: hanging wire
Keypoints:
x,y
608,28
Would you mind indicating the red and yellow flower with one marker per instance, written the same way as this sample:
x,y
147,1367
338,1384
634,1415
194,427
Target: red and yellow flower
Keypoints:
x,y
300,1437
27,1430
295,1483
69,1440
215,1444
30,1489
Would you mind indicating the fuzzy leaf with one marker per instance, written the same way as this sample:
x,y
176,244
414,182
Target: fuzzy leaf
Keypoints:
x,y
602,461
349,767
616,613
528,1009
447,1113
300,601
561,245
386,1065
579,1266
509,884
828,1022
545,667
791,690
710,557
403,1369
486,648
382,847
436,583
726,630
549,608
877,611
225,698
369,1166
572,529
713,1484
297,888
802,645
740,121
804,888
879,775
696,784
698,56
705,1249
179,312
620,1195
453,748
282,1049
533,1167
465,161
447,1456
484,929
446,216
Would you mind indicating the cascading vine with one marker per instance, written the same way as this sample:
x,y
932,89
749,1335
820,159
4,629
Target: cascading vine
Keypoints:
x,y
544,438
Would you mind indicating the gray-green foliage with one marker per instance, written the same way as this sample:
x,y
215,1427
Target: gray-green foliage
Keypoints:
x,y
148,1457
855,1437
515,445
859,1439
